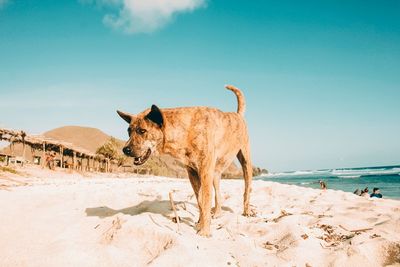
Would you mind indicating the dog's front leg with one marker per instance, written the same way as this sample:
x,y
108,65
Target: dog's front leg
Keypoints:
x,y
205,194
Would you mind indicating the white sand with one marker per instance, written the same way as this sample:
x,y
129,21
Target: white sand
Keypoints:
x,y
97,221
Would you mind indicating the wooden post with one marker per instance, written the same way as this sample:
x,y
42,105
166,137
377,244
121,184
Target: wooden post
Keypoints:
x,y
12,148
79,163
44,155
62,156
73,160
23,151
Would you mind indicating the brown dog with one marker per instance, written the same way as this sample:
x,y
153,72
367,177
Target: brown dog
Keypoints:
x,y
206,140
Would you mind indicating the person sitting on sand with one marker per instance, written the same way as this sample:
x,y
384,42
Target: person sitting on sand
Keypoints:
x,y
323,185
357,192
365,193
376,193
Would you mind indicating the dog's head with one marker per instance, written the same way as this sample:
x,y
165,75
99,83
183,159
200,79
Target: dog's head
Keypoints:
x,y
145,134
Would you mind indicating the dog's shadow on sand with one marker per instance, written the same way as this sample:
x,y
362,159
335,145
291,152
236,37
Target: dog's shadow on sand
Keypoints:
x,y
162,207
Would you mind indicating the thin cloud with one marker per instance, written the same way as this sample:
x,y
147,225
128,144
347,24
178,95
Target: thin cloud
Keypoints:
x,y
3,3
143,16
102,3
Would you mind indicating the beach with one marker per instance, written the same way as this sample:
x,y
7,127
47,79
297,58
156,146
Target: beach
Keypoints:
x,y
71,219
386,178
118,117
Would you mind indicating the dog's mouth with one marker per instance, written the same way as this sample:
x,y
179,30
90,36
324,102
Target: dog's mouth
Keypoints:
x,y
141,160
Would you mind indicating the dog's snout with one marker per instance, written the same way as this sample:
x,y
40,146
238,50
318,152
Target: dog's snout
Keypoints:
x,y
127,151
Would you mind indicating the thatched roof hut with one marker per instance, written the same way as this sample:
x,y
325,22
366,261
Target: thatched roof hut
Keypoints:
x,y
42,143
39,141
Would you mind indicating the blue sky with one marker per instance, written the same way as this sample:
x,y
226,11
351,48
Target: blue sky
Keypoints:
x,y
321,78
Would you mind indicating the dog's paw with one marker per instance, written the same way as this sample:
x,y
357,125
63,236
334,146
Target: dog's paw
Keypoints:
x,y
203,229
250,213
204,232
216,212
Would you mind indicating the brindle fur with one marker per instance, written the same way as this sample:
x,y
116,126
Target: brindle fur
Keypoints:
x,y
206,140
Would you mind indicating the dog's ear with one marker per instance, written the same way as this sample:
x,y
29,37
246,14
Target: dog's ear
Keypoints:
x,y
155,116
127,117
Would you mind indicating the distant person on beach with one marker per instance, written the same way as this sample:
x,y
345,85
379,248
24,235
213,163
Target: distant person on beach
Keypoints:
x,y
357,192
365,193
376,193
50,160
323,185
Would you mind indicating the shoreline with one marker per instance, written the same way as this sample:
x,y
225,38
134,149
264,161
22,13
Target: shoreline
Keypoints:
x,y
388,184
338,190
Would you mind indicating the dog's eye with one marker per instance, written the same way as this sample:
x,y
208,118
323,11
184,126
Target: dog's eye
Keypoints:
x,y
141,131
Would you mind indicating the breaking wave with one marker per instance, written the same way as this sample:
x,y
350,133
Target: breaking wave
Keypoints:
x,y
345,173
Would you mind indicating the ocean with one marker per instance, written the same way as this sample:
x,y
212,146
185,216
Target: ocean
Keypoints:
x,y
386,178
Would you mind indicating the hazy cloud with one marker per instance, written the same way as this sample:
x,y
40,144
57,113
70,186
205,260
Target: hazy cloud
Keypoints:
x,y
3,3
102,3
143,16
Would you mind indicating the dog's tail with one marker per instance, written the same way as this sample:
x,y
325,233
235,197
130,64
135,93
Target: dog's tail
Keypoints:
x,y
240,98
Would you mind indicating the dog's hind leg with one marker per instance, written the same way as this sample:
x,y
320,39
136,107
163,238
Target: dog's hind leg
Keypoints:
x,y
244,159
216,211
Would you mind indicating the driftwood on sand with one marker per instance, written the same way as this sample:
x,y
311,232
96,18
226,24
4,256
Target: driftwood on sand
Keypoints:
x,y
177,219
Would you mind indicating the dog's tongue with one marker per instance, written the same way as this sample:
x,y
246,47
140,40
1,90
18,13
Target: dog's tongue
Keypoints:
x,y
142,159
